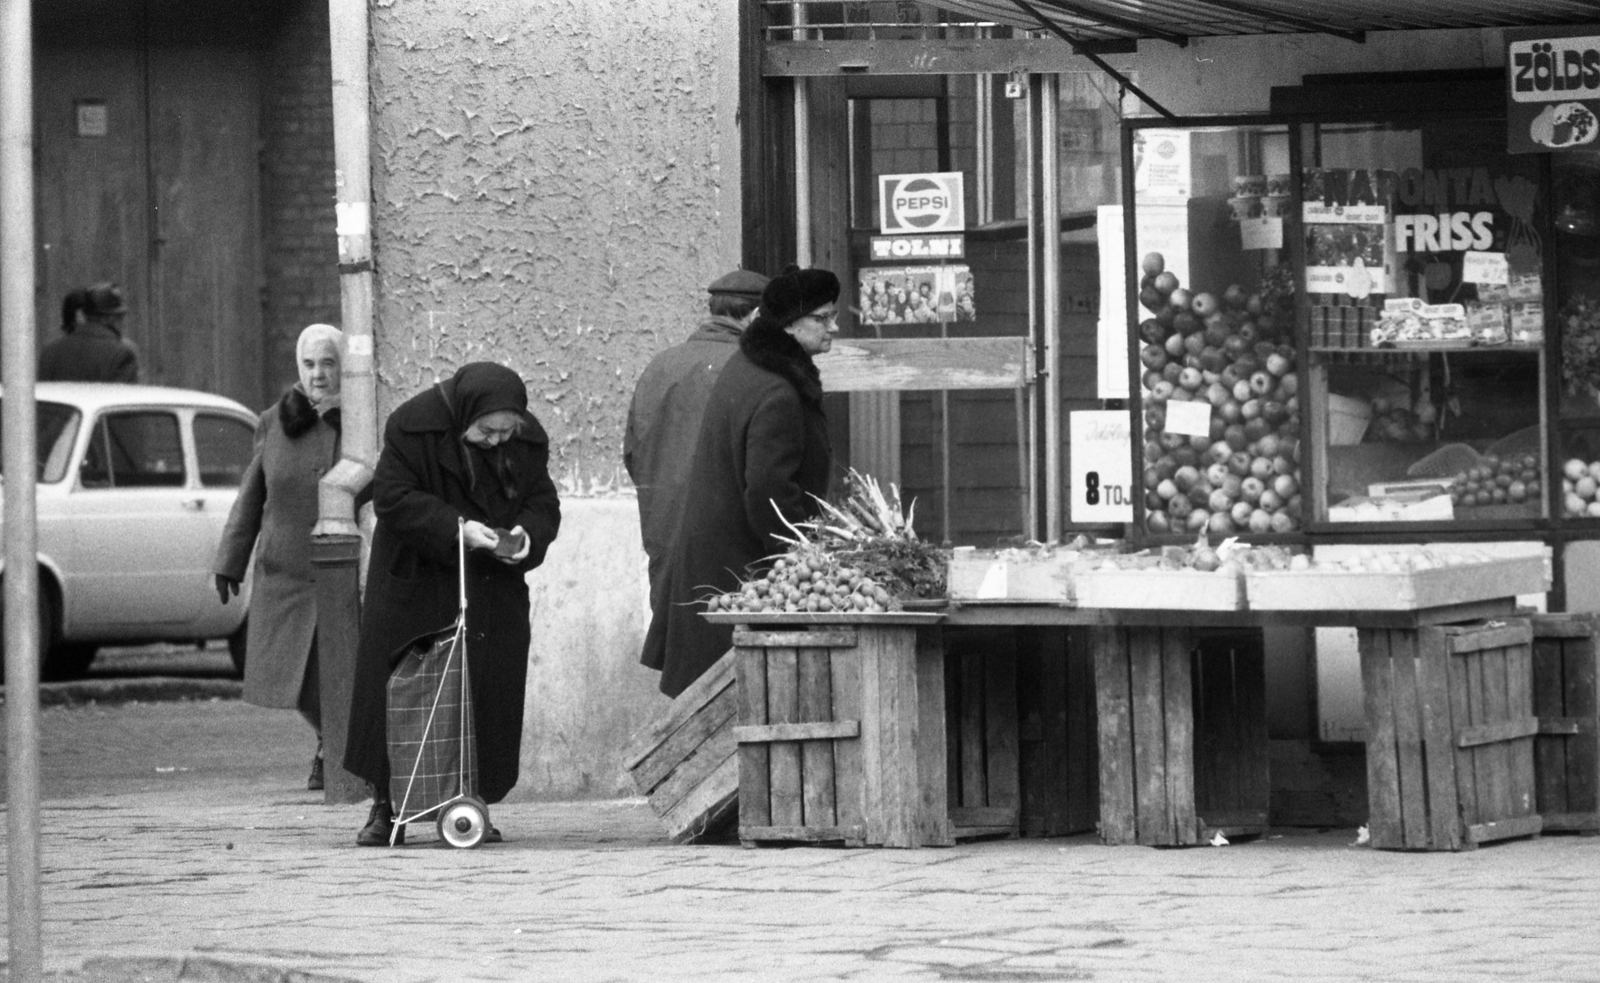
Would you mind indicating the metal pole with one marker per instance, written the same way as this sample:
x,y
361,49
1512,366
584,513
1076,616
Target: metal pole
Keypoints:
x,y
348,32
1050,302
17,416
1035,329
336,539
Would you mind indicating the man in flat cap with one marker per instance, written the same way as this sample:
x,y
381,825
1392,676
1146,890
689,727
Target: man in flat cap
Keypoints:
x,y
762,461
670,398
95,350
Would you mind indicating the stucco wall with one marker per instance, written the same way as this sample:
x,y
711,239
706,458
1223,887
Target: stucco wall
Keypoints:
x,y
555,182
1236,75
552,192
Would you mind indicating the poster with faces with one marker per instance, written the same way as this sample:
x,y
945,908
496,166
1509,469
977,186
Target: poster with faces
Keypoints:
x,y
916,295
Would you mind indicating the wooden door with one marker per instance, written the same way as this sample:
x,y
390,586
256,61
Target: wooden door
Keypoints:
x,y
164,202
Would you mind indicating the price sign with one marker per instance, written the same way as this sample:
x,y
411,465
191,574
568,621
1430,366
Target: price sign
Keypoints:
x,y
1190,418
1101,482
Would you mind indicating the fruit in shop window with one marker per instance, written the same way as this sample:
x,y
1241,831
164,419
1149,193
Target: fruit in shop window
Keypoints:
x,y
1511,480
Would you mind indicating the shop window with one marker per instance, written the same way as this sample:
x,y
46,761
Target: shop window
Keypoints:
x,y
1424,282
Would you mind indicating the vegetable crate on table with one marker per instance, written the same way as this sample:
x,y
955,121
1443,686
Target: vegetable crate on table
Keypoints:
x,y
685,761
1450,730
1183,747
841,730
1566,699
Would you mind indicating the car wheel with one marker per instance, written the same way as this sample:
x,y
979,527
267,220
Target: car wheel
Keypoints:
x,y
68,660
47,630
236,647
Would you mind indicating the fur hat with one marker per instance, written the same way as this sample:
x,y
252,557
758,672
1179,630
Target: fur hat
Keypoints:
x,y
794,293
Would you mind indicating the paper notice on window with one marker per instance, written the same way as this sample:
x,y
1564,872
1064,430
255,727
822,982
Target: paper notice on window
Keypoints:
x,y
1189,418
1490,268
1160,229
1261,233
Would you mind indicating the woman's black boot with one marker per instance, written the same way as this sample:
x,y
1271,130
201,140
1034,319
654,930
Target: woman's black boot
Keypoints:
x,y
380,823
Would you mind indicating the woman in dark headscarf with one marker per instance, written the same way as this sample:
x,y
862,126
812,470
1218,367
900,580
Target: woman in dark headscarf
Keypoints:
x,y
466,448
763,450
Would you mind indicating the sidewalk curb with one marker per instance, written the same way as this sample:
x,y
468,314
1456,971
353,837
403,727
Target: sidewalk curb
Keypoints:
x,y
180,969
147,689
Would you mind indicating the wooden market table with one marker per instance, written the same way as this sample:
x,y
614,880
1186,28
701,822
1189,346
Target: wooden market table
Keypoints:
x,y
842,727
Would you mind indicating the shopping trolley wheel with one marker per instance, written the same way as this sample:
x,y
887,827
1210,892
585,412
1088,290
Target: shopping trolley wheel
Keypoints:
x,y
463,823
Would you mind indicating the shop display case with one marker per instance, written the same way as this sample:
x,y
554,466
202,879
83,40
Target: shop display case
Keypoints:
x,y
1352,327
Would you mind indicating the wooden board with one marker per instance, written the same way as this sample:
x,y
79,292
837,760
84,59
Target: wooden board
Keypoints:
x,y
684,761
904,364
1183,590
765,618
1349,590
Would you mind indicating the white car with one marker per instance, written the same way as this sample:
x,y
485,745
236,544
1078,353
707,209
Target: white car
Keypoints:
x,y
134,488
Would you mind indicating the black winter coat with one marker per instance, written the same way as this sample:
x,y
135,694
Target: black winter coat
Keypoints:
x,y
763,443
419,489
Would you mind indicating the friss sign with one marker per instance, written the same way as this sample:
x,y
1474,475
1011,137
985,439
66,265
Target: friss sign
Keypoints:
x,y
915,204
1552,89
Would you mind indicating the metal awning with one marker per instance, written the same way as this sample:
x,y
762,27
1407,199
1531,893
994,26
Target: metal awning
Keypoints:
x,y
1179,20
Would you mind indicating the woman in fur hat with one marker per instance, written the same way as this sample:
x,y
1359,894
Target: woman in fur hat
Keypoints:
x,y
763,450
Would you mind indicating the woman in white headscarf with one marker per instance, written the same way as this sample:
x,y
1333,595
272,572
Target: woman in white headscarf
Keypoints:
x,y
297,441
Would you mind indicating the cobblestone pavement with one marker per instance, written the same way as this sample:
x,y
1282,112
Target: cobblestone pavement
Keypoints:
x,y
250,878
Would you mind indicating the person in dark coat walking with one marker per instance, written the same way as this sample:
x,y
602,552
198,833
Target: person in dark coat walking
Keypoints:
x,y
762,449
466,448
668,403
94,351
297,441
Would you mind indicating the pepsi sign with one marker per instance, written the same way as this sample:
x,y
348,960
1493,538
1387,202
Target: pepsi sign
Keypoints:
x,y
911,204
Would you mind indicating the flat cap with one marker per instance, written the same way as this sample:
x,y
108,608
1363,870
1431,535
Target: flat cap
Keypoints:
x,y
105,299
739,283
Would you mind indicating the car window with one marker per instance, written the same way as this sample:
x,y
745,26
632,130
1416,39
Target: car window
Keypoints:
x,y
56,425
224,446
134,450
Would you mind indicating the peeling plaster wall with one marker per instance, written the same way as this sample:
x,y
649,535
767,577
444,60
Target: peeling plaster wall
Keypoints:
x,y
555,182
550,193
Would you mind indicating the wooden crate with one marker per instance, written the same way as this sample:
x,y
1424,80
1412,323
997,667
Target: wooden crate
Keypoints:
x,y
1232,787
1010,576
1183,734
685,761
1351,590
1450,730
1566,699
1057,749
841,734
1188,590
980,687
1143,691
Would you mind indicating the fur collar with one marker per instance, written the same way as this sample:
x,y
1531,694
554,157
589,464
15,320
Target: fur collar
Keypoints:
x,y
774,349
298,416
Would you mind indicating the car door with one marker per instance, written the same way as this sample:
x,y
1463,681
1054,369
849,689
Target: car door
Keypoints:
x,y
141,528
223,446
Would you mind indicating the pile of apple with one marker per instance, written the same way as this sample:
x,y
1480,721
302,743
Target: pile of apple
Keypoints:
x,y
1228,352
1501,480
1580,481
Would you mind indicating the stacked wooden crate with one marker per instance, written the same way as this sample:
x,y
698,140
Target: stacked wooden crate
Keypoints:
x,y
980,684
1566,699
1450,729
684,761
1057,753
841,731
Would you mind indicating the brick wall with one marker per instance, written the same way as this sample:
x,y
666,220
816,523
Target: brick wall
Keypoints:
x,y
299,248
